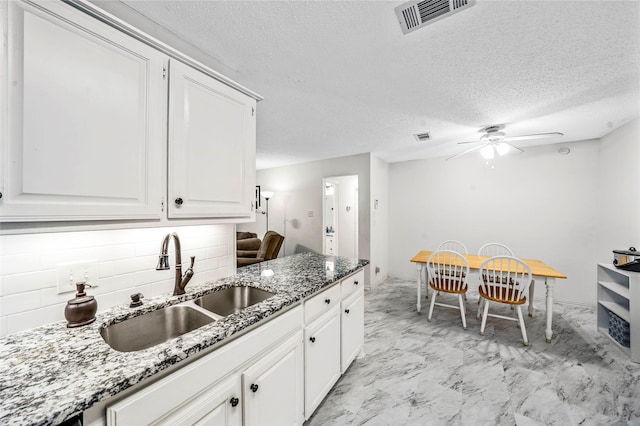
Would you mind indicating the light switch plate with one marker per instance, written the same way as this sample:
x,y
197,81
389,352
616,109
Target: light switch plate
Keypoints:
x,y
71,273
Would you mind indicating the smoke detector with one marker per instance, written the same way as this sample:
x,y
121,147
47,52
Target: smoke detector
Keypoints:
x,y
418,13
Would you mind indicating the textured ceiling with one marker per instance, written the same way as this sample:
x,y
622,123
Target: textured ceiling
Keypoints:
x,y
340,78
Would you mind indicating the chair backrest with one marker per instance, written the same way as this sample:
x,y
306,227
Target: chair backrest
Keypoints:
x,y
495,249
448,270
270,246
505,278
453,245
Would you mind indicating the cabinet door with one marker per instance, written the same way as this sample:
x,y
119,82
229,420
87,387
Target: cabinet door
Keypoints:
x,y
352,325
321,359
83,113
220,405
273,387
211,147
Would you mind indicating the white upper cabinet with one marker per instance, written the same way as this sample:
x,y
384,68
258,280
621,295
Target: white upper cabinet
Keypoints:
x,y
99,121
82,109
212,130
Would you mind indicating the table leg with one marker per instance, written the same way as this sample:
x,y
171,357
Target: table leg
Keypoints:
x,y
419,287
549,282
531,291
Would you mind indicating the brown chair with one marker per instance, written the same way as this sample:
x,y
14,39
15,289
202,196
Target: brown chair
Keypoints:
x,y
269,249
247,244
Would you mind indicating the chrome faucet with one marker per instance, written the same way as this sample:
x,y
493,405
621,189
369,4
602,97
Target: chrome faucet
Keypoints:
x,y
163,264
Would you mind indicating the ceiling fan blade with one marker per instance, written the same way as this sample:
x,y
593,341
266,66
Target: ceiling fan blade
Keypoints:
x,y
475,148
535,136
461,143
511,148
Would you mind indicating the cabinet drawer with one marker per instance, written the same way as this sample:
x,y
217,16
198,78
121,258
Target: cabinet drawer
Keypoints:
x,y
321,303
352,283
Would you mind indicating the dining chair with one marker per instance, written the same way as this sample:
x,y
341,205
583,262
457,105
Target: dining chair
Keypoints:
x,y
495,249
453,245
448,271
504,279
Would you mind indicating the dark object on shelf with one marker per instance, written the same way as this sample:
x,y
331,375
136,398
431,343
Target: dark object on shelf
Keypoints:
x,y
269,249
628,260
619,330
80,310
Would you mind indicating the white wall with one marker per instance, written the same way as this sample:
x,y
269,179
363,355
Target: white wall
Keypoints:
x,y
379,220
541,204
618,191
126,265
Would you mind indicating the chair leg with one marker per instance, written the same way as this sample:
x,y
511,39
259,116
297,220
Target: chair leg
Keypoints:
x,y
433,302
462,309
522,328
484,316
479,314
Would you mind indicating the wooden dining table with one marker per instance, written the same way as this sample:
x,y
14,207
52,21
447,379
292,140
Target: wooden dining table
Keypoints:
x,y
539,270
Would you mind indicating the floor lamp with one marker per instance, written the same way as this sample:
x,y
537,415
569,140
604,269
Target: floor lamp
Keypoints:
x,y
267,195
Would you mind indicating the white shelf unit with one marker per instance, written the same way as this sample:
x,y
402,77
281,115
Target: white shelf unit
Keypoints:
x,y
619,292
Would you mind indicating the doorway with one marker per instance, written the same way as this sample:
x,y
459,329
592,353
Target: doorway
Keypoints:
x,y
340,216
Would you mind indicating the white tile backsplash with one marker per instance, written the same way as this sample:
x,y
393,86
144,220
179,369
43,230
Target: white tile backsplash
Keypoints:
x,y
126,265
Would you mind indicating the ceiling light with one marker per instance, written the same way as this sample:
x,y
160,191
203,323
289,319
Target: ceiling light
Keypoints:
x,y
487,152
502,149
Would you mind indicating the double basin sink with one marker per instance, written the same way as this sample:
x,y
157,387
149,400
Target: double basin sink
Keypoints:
x,y
153,328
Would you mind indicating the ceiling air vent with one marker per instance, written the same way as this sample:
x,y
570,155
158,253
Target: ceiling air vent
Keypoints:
x,y
421,137
417,14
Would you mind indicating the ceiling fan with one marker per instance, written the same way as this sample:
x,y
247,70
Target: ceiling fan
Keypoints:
x,y
494,141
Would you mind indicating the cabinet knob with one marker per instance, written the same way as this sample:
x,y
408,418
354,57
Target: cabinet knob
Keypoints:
x,y
253,387
346,311
313,339
327,301
179,201
0,194
234,401
355,283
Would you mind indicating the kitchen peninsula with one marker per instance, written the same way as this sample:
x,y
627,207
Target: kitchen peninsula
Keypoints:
x,y
51,373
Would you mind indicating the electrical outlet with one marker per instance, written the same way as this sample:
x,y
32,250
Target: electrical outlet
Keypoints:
x,y
71,273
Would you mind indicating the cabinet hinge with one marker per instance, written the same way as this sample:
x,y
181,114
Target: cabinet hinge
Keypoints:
x,y
162,205
253,110
164,72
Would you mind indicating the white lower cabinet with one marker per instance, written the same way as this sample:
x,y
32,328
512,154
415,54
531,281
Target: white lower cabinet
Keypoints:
x,y
352,328
275,375
273,387
218,405
321,358
219,387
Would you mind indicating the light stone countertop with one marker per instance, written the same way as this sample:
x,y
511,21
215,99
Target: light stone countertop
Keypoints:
x,y
50,373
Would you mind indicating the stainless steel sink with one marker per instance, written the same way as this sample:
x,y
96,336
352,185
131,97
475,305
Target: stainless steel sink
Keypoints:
x,y
232,299
152,328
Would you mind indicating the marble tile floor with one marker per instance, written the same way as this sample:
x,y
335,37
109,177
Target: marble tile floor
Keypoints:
x,y
435,373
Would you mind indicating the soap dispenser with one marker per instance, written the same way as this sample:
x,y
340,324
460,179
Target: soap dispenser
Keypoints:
x,y
80,310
